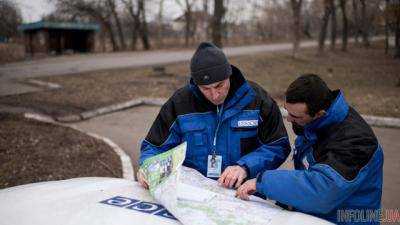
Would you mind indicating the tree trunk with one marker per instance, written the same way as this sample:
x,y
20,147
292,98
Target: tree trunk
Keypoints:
x,y
397,39
99,14
134,37
386,28
345,25
356,21
108,28
144,33
135,30
160,30
135,22
111,5
188,19
219,12
333,25
205,10
324,26
364,25
296,9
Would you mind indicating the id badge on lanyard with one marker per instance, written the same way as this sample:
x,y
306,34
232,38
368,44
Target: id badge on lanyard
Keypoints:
x,y
214,164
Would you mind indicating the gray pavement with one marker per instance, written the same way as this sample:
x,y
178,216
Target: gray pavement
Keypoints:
x,y
126,128
12,72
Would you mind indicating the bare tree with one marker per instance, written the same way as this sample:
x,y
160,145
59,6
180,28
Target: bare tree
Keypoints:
x,y
387,27
205,11
277,19
139,29
392,14
397,33
97,10
345,25
296,9
364,24
134,14
324,25
188,14
160,29
144,32
333,25
111,5
11,18
356,19
219,12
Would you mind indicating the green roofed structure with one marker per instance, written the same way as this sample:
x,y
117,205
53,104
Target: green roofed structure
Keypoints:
x,y
59,37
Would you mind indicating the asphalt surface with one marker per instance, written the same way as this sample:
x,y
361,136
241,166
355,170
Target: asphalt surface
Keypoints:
x,y
126,128
12,72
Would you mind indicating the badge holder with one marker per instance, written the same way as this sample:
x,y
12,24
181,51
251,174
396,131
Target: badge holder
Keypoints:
x,y
214,164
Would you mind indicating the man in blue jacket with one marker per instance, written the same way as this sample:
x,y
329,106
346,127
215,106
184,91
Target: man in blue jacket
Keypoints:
x,y
338,160
232,127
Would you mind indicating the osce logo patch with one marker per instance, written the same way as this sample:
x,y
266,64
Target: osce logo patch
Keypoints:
x,y
139,205
247,123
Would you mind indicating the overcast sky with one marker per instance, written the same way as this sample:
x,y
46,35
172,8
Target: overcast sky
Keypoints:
x,y
33,10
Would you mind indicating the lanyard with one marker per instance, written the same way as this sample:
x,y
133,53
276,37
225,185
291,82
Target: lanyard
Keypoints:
x,y
219,114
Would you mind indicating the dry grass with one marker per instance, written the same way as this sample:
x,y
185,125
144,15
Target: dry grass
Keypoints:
x,y
11,52
367,76
33,151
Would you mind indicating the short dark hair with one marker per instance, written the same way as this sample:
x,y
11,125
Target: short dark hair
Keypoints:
x,y
311,90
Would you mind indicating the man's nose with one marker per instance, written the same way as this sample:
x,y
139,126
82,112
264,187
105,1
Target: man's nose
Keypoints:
x,y
214,94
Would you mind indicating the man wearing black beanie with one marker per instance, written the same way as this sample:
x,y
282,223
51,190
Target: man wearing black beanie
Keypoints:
x,y
233,128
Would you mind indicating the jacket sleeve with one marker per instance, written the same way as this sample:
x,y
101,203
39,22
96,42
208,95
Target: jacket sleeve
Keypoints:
x,y
317,190
324,186
163,135
274,143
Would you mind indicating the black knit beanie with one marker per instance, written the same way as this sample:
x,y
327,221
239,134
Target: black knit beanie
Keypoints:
x,y
209,65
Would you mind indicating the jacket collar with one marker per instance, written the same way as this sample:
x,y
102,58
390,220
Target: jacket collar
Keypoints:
x,y
336,113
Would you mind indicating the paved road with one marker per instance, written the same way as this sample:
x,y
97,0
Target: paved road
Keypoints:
x,y
81,63
9,73
127,127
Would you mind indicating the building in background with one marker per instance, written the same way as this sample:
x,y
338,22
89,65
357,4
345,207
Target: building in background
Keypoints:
x,y
59,37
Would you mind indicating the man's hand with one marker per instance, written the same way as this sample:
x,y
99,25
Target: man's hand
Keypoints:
x,y
142,180
232,175
248,188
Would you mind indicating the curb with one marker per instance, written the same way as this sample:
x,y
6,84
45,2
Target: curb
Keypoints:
x,y
43,84
382,121
127,169
388,122
112,108
376,121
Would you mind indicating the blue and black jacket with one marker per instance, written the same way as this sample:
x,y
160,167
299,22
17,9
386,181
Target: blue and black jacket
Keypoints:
x,y
246,130
338,167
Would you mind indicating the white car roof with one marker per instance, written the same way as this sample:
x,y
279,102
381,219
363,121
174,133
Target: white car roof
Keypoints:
x,y
94,200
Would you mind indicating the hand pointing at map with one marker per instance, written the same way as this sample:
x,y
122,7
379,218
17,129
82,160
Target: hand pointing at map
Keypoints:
x,y
142,180
232,175
248,188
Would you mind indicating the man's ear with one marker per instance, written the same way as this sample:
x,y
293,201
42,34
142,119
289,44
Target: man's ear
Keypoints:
x,y
320,114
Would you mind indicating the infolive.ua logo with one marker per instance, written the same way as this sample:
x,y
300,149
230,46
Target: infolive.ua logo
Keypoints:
x,y
139,205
